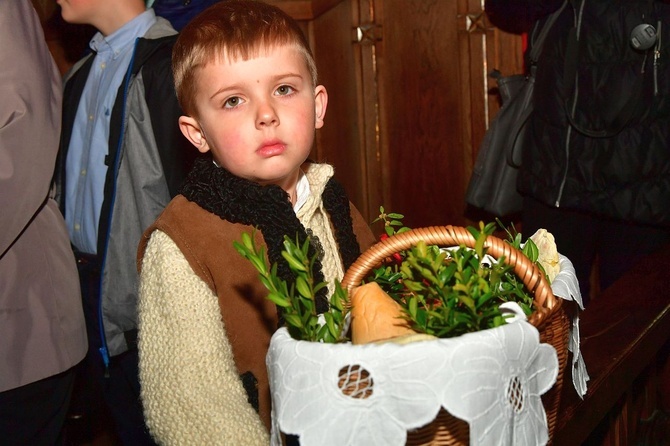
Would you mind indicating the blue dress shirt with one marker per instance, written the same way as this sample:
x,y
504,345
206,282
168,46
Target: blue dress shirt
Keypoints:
x,y
85,162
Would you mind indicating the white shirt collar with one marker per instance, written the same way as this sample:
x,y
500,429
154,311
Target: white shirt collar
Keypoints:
x,y
302,191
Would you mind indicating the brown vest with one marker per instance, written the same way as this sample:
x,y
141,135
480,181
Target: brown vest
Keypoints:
x,y
250,318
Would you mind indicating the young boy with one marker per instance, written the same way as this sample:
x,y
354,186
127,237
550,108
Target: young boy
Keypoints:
x,y
122,159
246,79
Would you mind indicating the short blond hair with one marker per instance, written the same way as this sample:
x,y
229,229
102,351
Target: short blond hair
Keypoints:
x,y
236,29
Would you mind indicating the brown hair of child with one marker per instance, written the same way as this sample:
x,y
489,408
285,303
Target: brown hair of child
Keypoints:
x,y
232,29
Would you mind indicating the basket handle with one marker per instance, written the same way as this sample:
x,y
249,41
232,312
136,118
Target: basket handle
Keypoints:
x,y
531,276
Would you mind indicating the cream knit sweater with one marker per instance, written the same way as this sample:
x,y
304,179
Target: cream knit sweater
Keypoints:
x,y
191,391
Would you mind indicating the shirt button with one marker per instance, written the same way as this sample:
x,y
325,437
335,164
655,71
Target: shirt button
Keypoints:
x,y
90,117
83,172
103,65
77,226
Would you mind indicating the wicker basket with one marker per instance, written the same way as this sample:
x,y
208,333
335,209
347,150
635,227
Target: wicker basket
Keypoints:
x,y
549,317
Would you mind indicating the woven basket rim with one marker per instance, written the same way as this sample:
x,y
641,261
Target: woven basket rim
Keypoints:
x,y
529,273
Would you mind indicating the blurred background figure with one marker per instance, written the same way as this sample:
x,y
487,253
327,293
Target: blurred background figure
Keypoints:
x,y
179,12
596,164
42,330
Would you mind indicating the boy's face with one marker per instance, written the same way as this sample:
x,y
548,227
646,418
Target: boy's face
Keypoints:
x,y
257,116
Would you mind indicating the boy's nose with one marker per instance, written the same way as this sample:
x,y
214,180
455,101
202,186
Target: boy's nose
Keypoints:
x,y
266,116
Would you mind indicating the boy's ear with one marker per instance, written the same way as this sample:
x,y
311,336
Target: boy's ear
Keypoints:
x,y
320,103
190,127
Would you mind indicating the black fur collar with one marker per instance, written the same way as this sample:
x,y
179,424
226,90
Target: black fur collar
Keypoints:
x,y
268,208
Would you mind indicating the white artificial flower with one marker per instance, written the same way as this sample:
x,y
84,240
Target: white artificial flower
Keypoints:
x,y
307,400
496,380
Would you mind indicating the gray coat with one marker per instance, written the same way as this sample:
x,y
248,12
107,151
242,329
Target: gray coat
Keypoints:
x,y
148,159
42,330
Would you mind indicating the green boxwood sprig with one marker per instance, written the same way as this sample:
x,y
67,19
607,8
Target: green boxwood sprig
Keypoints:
x,y
297,301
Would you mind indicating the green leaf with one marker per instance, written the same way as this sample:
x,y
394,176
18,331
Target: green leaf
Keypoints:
x,y
468,301
302,287
421,317
241,249
412,306
324,334
479,245
308,304
248,242
306,317
290,247
461,287
531,251
279,300
259,264
267,282
294,320
294,263
330,323
318,287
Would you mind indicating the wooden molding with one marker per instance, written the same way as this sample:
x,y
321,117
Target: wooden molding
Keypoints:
x,y
304,9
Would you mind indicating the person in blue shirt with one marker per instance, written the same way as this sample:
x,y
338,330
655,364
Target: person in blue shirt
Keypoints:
x,y
122,158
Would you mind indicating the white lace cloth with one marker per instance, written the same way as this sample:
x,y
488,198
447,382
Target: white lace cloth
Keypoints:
x,y
566,286
492,379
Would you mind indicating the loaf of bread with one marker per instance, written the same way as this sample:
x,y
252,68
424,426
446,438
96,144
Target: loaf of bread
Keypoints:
x,y
375,316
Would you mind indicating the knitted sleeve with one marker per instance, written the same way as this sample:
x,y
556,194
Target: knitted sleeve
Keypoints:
x,y
190,388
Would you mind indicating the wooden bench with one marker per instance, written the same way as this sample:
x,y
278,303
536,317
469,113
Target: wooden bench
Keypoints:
x,y
624,333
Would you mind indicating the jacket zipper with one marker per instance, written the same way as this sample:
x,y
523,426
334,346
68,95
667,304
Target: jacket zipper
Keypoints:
x,y
568,133
657,56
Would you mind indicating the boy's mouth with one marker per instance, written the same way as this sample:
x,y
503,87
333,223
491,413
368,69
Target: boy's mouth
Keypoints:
x,y
271,148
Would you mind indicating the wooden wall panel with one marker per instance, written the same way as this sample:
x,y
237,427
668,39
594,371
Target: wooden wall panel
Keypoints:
x,y
419,97
340,141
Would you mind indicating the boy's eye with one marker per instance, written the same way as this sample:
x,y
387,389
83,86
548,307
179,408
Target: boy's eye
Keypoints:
x,y
283,90
232,102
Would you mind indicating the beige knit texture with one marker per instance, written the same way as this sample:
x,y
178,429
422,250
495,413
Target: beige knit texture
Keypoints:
x,y
191,391
313,215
